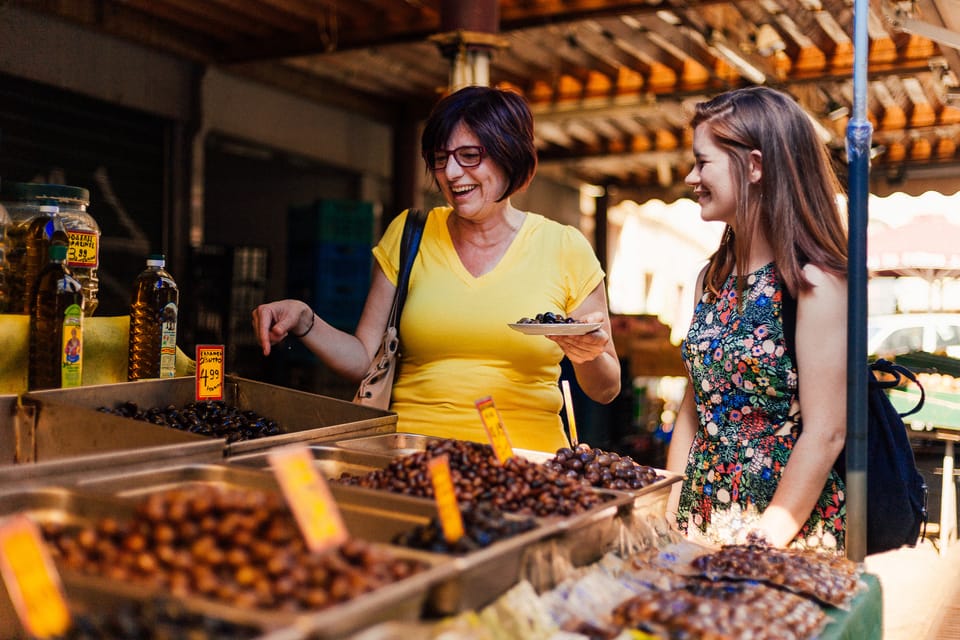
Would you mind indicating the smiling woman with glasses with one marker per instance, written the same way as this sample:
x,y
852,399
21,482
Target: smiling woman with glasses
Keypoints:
x,y
482,264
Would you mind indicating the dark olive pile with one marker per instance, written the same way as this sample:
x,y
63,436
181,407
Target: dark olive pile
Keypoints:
x,y
154,620
548,317
209,418
241,547
518,486
602,469
483,524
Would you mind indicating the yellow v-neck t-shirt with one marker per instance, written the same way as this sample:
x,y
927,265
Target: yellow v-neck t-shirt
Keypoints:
x,y
455,343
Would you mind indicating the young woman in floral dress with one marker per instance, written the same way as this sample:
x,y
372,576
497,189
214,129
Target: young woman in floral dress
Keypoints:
x,y
756,453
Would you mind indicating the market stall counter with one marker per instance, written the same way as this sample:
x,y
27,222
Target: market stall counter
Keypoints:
x,y
213,545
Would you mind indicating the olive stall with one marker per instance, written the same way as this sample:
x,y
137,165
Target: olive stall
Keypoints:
x,y
164,517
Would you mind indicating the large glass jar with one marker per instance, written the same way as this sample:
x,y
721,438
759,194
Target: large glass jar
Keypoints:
x,y
34,208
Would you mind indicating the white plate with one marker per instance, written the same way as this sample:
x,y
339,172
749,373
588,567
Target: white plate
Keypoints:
x,y
556,328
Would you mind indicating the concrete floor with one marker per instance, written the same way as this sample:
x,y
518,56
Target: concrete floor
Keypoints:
x,y
921,590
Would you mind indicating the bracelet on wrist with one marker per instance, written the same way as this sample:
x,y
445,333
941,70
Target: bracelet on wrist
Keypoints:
x,y
313,319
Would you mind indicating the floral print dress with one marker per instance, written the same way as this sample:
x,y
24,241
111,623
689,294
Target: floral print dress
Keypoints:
x,y
745,383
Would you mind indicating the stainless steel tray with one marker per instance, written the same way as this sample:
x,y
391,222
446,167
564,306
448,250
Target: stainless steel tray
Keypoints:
x,y
402,600
368,515
331,461
393,444
302,416
478,577
50,444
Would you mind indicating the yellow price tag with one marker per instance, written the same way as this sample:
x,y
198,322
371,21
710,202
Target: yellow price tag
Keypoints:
x,y
309,497
32,580
83,249
209,372
496,432
446,497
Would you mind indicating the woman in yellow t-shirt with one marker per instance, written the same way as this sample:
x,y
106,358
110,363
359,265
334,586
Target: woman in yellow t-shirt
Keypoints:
x,y
482,264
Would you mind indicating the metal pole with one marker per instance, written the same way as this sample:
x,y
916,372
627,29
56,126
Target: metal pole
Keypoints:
x,y
859,133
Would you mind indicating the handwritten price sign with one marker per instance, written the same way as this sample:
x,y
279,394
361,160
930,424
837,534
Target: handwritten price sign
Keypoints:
x,y
83,249
209,372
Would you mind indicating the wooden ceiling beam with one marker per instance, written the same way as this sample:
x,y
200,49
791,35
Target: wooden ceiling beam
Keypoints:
x,y
213,18
513,16
265,13
129,23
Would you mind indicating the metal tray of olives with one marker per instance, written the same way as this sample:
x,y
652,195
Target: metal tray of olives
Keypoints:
x,y
482,575
72,509
400,444
367,515
100,608
55,444
302,417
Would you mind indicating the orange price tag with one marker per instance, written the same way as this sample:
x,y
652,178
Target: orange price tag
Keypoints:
x,y
496,432
209,372
32,580
309,497
446,497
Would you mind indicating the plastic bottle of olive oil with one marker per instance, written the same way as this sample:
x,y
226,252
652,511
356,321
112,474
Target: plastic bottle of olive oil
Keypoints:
x,y
56,326
153,322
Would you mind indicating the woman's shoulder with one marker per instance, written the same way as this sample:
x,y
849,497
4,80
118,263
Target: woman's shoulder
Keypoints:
x,y
826,287
818,276
541,224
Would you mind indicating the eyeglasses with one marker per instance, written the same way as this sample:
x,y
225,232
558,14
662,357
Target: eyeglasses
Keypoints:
x,y
466,157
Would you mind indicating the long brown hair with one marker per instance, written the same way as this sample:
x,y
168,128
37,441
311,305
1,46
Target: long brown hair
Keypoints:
x,y
795,204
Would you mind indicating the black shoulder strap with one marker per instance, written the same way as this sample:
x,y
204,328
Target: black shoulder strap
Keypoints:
x,y
788,315
899,372
409,246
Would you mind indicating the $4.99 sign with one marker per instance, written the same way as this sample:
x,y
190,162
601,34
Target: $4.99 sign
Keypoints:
x,y
209,372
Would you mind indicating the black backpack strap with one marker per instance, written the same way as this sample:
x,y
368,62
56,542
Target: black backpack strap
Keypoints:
x,y
899,372
788,316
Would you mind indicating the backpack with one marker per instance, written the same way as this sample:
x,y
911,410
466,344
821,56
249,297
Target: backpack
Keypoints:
x,y
896,491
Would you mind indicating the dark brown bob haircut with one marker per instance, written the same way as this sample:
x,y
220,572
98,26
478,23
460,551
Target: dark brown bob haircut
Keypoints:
x,y
502,122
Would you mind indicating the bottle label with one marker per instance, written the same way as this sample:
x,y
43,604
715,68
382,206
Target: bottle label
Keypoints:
x,y
71,354
83,249
168,340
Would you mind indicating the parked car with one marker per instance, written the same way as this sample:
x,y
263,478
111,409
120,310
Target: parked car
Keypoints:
x,y
893,335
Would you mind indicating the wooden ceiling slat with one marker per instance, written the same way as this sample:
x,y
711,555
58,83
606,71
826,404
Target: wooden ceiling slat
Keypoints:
x,y
207,13
264,12
350,14
833,40
922,113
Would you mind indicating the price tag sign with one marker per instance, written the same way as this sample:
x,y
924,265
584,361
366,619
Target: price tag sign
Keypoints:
x,y
32,580
446,497
83,249
309,497
495,429
571,419
209,372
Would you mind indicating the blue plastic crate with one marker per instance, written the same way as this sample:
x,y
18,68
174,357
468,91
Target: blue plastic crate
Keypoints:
x,y
334,221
